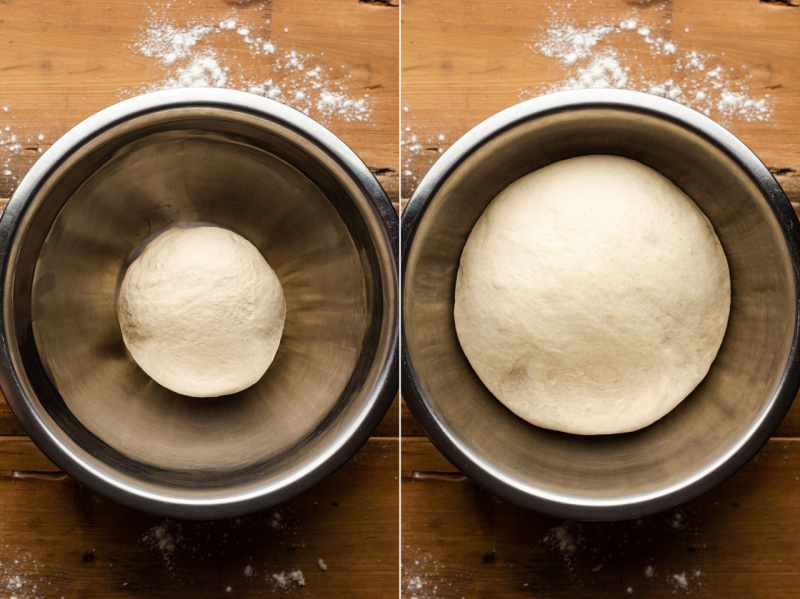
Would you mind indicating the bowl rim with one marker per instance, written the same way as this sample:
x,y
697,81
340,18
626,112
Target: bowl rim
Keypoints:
x,y
122,489
633,505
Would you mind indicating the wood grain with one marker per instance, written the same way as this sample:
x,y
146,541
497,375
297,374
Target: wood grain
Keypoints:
x,y
463,62
61,540
739,540
62,62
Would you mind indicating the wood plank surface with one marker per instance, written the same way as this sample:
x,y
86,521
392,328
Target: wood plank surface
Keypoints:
x,y
463,62
62,62
739,540
61,540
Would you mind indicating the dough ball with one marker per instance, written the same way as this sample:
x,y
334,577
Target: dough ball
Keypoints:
x,y
201,311
592,296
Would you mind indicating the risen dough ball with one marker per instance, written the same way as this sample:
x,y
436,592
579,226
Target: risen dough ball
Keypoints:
x,y
201,311
592,296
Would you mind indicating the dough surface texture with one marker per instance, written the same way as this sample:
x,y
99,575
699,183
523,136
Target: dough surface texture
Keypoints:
x,y
592,296
201,311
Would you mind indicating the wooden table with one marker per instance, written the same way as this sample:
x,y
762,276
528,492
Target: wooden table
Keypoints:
x,y
461,63
60,63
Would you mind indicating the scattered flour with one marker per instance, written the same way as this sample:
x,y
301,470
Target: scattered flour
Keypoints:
x,y
322,565
203,71
20,578
423,576
169,43
414,584
603,71
178,543
628,51
680,580
414,146
566,539
686,581
570,44
165,538
297,576
192,56
284,579
18,150
590,550
281,580
276,520
701,81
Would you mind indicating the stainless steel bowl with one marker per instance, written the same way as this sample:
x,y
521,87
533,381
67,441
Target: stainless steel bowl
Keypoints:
x,y
724,421
198,156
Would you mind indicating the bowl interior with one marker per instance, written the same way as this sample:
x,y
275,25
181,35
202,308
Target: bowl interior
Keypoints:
x,y
312,221
715,420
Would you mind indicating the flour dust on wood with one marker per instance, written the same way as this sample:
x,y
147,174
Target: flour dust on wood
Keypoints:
x,y
638,52
237,52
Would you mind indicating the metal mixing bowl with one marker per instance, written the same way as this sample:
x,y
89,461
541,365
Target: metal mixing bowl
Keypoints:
x,y
720,425
267,172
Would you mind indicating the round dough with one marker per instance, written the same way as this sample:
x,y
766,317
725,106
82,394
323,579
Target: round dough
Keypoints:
x,y
592,296
201,311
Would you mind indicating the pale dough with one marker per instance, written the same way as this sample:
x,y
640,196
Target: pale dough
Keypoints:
x,y
592,296
201,311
